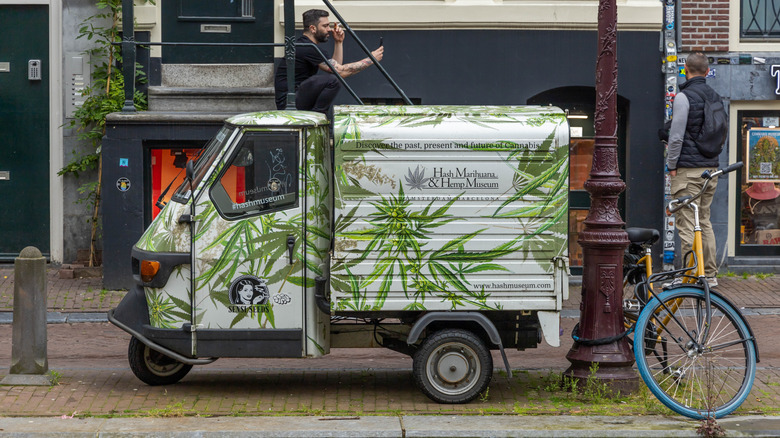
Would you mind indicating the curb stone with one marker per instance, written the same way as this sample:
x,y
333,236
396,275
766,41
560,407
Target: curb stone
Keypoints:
x,y
382,426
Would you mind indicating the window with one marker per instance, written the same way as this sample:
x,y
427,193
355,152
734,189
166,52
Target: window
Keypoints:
x,y
166,161
261,176
759,197
211,9
760,19
203,163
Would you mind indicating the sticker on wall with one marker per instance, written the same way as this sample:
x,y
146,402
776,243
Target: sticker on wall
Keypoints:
x,y
123,184
248,290
124,162
711,73
282,299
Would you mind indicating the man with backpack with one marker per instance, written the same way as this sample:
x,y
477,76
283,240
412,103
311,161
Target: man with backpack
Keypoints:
x,y
698,132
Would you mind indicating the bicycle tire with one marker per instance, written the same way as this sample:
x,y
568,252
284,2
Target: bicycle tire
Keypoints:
x,y
710,381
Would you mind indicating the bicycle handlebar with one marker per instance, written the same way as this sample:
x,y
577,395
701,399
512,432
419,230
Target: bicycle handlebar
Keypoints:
x,y
684,201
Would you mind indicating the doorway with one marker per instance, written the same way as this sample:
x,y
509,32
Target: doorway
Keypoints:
x,y
24,124
217,21
580,105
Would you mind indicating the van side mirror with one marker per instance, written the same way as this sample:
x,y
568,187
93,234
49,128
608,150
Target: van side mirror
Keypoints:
x,y
190,171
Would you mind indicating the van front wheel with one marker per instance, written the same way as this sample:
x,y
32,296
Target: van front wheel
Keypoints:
x,y
453,366
153,367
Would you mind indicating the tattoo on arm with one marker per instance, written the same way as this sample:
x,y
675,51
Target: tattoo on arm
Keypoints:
x,y
354,67
346,70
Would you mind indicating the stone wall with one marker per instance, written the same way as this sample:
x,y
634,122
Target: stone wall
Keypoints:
x,y
76,215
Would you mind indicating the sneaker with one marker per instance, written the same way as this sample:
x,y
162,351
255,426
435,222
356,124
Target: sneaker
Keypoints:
x,y
676,282
712,281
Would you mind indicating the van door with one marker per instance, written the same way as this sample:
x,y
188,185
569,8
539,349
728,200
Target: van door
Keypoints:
x,y
248,256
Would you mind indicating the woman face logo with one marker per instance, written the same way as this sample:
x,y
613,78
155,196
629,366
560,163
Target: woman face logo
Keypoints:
x,y
248,290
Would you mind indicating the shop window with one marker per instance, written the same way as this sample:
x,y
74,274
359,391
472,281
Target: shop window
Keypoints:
x,y
759,197
261,176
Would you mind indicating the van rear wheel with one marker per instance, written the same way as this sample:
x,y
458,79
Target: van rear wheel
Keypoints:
x,y
453,366
153,367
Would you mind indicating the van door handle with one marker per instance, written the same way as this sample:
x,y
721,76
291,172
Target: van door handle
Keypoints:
x,y
291,247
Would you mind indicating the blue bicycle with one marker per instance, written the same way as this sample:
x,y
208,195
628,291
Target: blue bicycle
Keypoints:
x,y
694,349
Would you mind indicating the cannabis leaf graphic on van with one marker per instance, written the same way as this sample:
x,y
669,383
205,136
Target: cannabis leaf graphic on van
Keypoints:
x,y
417,178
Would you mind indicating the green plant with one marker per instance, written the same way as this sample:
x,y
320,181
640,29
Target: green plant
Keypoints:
x,y
764,275
106,95
728,274
54,377
170,411
745,275
595,390
485,395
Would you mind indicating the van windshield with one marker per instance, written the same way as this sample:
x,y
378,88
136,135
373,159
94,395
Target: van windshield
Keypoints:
x,y
202,163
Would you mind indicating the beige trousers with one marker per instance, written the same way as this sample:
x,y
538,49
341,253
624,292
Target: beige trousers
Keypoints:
x,y
688,181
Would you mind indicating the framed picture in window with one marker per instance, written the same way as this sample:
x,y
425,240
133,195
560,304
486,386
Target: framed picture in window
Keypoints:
x,y
762,158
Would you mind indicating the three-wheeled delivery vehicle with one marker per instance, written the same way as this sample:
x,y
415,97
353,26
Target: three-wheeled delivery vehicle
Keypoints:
x,y
436,231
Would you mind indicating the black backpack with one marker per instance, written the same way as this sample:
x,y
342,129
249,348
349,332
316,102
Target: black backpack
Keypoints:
x,y
715,127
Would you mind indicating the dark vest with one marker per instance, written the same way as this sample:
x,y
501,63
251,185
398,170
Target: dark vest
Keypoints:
x,y
689,154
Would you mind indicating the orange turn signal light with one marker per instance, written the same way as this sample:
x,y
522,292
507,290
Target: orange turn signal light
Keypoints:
x,y
149,269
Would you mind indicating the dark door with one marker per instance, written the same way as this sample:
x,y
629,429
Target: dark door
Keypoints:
x,y
24,129
217,21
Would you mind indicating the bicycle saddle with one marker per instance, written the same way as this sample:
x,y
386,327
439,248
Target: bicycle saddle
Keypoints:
x,y
643,235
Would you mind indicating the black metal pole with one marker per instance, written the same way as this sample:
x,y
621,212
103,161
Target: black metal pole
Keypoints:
x,y
128,55
289,50
368,52
604,240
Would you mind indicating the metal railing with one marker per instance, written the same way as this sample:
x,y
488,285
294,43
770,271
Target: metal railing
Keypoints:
x,y
129,46
760,19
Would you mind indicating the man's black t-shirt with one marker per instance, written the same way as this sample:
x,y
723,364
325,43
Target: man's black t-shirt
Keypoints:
x,y
307,61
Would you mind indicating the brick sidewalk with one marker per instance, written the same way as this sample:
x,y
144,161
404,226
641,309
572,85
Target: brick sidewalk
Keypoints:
x,y
750,292
96,380
65,295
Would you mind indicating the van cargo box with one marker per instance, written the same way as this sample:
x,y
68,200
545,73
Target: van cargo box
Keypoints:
x,y
450,208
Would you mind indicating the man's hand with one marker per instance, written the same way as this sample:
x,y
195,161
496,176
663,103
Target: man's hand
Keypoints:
x,y
673,172
379,53
338,34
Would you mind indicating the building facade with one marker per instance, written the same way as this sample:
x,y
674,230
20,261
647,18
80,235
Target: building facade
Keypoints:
x,y
442,52
742,40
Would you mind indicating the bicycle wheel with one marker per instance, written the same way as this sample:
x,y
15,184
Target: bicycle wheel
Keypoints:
x,y
694,378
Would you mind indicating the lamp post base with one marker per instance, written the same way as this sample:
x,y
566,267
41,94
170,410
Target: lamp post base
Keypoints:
x,y
619,377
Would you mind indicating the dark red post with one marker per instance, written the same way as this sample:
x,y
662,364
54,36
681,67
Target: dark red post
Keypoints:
x,y
604,240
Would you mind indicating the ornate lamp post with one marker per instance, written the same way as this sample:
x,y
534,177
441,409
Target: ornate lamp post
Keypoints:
x,y
603,241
